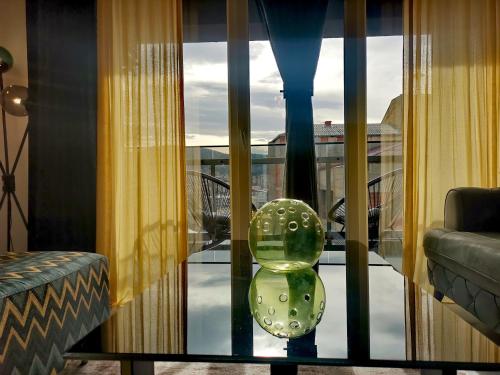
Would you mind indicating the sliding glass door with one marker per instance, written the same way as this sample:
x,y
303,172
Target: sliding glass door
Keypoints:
x,y
240,135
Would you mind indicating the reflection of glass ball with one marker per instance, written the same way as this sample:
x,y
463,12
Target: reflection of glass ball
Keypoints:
x,y
6,60
286,234
13,99
287,304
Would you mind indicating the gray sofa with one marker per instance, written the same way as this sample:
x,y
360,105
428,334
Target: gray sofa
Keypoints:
x,y
463,258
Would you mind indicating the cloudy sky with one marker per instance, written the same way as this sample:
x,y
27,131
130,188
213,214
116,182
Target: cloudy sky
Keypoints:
x,y
205,73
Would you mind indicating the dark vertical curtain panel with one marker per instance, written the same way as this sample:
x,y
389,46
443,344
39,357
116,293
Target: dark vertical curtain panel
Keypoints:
x,y
62,71
295,30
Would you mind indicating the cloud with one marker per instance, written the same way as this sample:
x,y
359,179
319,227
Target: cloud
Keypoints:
x,y
257,49
206,108
384,57
196,139
274,79
266,99
261,140
204,53
206,97
334,101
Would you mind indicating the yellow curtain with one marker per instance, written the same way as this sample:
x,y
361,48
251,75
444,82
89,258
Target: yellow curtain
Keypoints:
x,y
451,110
441,334
151,322
141,203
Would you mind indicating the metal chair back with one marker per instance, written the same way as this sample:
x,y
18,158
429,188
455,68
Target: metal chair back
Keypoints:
x,y
383,190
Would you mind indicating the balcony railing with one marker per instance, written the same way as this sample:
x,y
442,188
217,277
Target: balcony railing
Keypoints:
x,y
267,170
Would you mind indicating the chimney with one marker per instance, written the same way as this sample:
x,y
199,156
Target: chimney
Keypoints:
x,y
328,124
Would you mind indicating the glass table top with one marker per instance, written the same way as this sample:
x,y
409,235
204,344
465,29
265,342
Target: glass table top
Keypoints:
x,y
204,312
209,314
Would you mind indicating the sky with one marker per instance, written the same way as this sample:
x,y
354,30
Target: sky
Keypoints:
x,y
205,80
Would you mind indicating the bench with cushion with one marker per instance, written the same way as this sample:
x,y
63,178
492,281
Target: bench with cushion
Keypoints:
x,y
48,301
463,258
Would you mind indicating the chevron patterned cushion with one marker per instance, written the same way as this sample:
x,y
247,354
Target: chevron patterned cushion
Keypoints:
x,y
48,301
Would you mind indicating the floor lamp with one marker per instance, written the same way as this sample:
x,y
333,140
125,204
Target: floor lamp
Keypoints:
x,y
12,101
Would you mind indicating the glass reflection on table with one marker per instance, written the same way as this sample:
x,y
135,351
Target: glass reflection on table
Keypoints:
x,y
287,304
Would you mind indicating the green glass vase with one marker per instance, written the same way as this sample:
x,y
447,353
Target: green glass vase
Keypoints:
x,y
286,234
287,304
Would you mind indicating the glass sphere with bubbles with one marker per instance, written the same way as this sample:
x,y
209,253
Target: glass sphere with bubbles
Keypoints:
x,y
286,234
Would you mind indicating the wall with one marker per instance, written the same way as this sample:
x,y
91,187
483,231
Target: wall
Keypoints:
x,y
13,38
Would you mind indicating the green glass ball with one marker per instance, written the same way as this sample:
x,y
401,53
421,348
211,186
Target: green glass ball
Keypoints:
x,y
6,60
287,304
286,234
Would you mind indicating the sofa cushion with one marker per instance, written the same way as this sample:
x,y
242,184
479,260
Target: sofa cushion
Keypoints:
x,y
472,210
476,256
48,301
23,271
479,302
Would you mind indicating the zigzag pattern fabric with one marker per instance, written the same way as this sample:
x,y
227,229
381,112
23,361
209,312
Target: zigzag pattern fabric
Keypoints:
x,y
48,302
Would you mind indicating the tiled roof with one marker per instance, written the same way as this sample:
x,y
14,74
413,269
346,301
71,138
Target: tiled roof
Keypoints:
x,y
337,130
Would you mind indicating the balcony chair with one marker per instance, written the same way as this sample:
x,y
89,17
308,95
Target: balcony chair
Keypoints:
x,y
212,216
378,198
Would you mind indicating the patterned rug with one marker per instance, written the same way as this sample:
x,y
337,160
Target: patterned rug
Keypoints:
x,y
169,368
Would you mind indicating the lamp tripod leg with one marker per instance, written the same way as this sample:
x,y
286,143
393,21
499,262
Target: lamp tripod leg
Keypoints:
x,y
2,199
20,150
9,222
19,208
4,129
4,196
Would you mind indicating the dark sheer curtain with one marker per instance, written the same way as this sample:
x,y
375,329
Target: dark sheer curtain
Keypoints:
x,y
295,31
62,73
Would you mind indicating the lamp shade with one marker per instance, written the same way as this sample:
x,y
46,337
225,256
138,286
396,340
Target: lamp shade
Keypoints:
x,y
13,99
6,60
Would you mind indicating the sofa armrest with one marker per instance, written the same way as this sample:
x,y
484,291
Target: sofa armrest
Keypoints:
x,y
472,210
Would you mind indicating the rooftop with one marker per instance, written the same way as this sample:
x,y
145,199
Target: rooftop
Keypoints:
x,y
328,129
